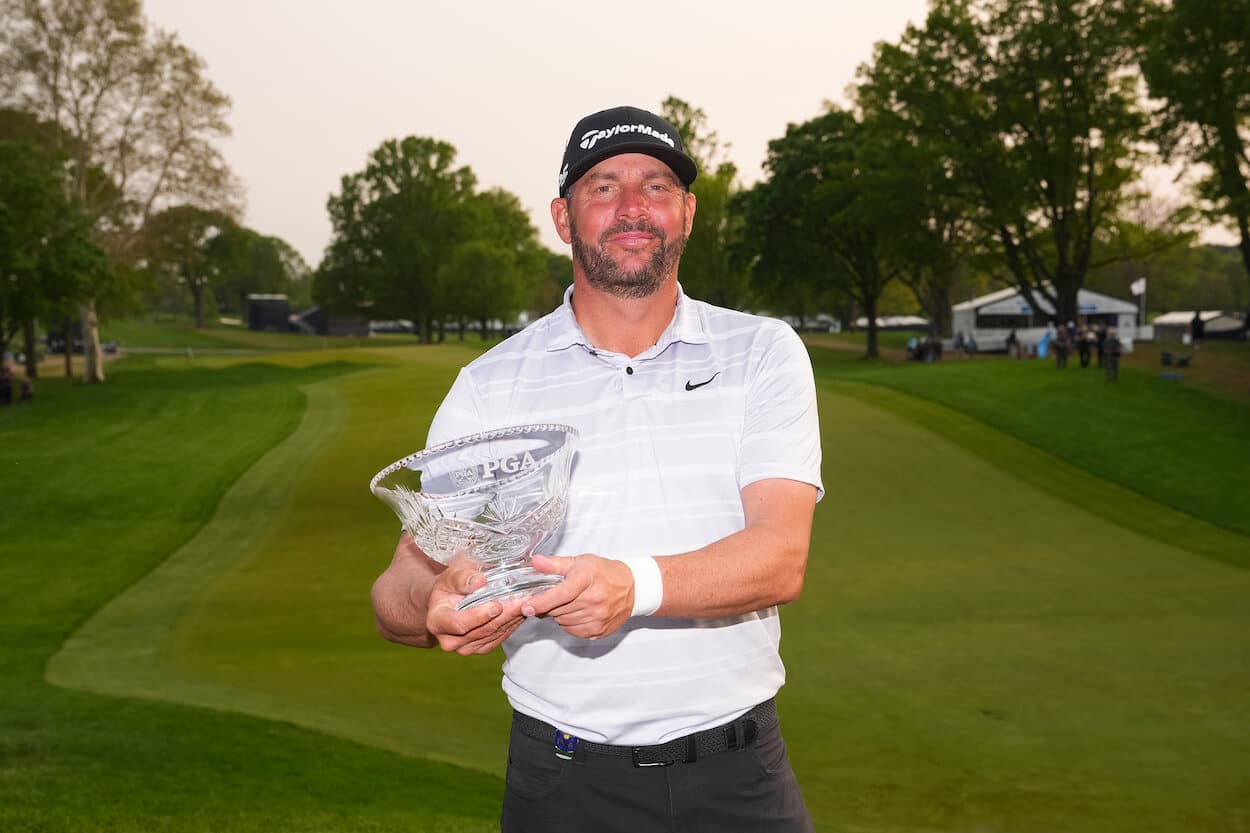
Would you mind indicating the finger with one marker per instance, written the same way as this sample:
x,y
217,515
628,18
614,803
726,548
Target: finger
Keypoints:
x,y
462,577
553,564
559,595
490,635
489,643
445,620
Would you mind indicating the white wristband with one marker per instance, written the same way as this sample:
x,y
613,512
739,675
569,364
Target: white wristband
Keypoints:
x,y
648,585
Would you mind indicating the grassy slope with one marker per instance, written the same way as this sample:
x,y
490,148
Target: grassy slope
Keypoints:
x,y
970,651
1178,445
100,485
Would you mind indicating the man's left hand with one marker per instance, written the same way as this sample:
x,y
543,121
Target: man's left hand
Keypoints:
x,y
595,598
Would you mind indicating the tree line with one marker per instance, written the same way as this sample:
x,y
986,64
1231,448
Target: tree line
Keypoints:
x,y
113,193
1006,139
997,142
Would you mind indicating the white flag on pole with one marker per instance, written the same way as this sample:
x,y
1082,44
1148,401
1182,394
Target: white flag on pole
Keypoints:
x,y
1138,287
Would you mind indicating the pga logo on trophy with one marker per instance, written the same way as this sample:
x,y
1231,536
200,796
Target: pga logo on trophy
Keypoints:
x,y
496,496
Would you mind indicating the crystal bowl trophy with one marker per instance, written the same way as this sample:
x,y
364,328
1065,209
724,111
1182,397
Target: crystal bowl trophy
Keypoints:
x,y
495,497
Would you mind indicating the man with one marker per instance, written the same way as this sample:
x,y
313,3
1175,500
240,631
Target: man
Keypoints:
x,y
1111,358
642,684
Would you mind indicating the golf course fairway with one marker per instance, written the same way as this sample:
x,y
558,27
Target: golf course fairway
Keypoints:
x,y
980,645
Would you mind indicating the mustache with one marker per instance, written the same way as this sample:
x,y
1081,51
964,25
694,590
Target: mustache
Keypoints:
x,y
637,225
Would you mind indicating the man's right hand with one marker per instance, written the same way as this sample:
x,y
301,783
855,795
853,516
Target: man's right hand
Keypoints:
x,y
415,598
476,630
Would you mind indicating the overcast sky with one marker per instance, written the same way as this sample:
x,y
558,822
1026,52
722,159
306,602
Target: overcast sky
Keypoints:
x,y
316,85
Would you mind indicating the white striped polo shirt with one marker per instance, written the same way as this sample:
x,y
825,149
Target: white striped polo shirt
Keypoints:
x,y
668,439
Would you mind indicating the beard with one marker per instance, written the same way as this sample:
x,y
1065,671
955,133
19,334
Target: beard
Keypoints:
x,y
606,274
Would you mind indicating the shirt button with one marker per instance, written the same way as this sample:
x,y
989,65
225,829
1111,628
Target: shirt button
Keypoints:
x,y
629,371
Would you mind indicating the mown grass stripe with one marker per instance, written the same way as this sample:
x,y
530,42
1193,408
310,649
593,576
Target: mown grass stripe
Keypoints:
x,y
1058,477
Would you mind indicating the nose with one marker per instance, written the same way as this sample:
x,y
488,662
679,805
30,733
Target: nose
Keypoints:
x,y
633,202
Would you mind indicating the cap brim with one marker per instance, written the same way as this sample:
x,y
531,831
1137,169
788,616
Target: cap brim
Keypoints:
x,y
683,166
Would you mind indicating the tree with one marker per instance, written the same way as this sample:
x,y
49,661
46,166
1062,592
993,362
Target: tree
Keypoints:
x,y
1197,60
46,250
189,247
934,234
500,269
399,230
486,283
708,270
30,200
819,220
395,225
247,262
558,276
131,102
1033,106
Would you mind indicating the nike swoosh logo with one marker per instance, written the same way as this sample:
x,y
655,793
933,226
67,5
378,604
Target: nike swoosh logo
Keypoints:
x,y
690,386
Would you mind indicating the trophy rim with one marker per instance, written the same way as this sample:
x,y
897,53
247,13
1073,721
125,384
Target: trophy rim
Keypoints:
x,y
514,430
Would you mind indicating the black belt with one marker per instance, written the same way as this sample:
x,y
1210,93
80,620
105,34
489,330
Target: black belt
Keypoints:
x,y
733,735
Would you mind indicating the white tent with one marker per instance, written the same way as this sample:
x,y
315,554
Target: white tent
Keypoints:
x,y
991,317
1175,325
894,322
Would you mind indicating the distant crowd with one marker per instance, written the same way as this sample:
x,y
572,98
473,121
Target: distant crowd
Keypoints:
x,y
1098,344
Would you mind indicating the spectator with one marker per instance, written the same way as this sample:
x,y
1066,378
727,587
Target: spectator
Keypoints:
x,y
1083,345
1061,345
1046,342
1111,355
6,379
1196,328
1013,343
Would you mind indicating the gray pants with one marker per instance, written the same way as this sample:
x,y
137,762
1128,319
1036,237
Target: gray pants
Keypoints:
x,y
751,790
1111,364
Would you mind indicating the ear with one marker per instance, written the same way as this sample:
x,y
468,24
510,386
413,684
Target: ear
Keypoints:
x,y
690,205
560,216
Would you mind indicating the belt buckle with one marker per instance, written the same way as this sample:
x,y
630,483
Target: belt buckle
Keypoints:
x,y
634,755
565,745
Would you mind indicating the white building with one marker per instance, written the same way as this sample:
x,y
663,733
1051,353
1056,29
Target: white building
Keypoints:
x,y
1177,325
991,317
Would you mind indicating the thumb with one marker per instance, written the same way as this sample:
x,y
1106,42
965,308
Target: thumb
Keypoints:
x,y
462,578
557,565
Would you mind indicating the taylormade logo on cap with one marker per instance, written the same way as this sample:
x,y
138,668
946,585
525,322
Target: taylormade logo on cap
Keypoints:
x,y
623,130
594,136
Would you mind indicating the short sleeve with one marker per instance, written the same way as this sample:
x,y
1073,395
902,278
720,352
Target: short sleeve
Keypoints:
x,y
781,431
460,413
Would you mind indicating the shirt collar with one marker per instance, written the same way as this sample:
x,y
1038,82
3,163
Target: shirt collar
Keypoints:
x,y
687,326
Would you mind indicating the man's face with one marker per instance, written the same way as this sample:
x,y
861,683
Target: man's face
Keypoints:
x,y
627,219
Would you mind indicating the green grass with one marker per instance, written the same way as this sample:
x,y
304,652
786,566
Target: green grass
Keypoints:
x,y
143,334
100,485
1164,440
991,636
